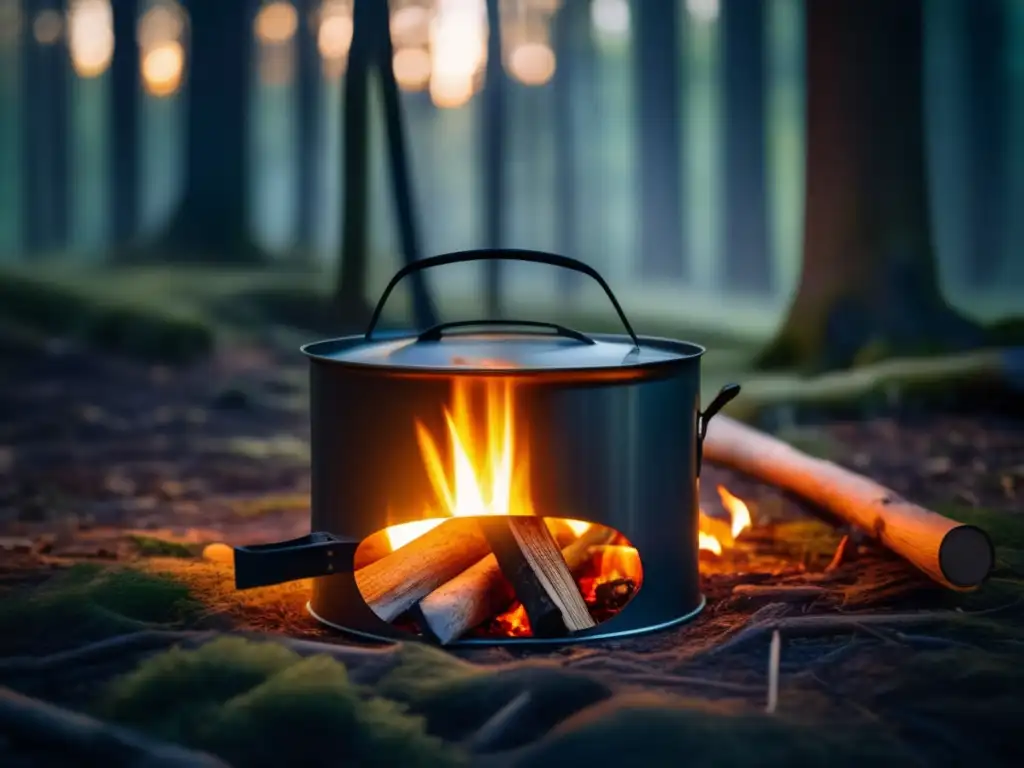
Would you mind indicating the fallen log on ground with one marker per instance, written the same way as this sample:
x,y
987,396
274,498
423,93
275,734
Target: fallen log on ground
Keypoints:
x,y
392,585
482,592
994,367
529,557
955,555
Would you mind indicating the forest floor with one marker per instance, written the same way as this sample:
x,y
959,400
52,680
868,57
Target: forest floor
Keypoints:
x,y
115,476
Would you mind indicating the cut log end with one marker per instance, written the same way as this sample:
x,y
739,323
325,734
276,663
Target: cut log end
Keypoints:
x,y
966,557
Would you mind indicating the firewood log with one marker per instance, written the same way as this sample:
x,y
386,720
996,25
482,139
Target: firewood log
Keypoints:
x,y
531,560
957,556
482,591
396,582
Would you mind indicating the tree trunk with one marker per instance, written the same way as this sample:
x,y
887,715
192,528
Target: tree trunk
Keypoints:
x,y
351,288
744,218
308,85
59,116
211,222
986,31
493,142
657,83
34,213
424,314
869,285
570,25
124,121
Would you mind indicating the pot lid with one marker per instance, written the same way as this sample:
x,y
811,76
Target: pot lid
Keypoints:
x,y
504,350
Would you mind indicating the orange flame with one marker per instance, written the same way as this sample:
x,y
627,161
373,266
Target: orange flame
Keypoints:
x,y
487,477
714,539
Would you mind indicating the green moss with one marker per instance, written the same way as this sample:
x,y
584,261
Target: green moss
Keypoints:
x,y
89,603
457,698
669,731
149,546
99,317
252,702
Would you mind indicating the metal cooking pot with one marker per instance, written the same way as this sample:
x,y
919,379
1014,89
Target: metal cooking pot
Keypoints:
x,y
615,433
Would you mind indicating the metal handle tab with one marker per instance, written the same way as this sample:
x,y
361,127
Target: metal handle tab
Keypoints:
x,y
724,396
318,554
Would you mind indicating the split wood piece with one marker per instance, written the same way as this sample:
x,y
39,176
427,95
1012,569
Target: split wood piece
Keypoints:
x,y
88,741
482,591
955,555
392,585
530,558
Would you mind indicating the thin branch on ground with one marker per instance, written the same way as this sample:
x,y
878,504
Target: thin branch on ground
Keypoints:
x,y
89,741
774,657
118,646
830,624
491,734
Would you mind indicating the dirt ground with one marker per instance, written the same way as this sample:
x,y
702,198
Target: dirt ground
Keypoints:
x,y
117,465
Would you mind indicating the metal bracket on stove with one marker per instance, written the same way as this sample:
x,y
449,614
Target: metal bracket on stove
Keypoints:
x,y
318,554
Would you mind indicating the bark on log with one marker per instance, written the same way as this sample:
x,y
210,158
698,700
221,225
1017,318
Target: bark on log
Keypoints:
x,y
482,592
392,585
530,558
955,555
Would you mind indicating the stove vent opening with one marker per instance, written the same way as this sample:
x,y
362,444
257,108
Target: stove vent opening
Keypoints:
x,y
494,577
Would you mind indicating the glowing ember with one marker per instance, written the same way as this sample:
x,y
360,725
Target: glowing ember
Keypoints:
x,y
709,538
615,564
487,478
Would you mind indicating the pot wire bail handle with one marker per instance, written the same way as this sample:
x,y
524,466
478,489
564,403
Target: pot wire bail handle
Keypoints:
x,y
505,254
724,396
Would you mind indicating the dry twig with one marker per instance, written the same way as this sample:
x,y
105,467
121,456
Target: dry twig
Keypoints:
x,y
85,740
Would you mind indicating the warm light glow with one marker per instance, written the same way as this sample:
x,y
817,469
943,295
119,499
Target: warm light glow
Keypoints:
x,y
334,36
616,563
410,26
610,17
276,22
703,10
483,474
90,36
578,527
160,24
162,68
412,68
457,50
715,534
532,63
47,27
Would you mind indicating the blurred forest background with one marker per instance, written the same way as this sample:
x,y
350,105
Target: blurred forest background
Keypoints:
x,y
662,142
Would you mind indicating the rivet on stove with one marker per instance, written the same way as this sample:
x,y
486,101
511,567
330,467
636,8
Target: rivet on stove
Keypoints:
x,y
330,566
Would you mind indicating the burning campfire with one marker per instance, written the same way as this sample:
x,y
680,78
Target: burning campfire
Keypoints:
x,y
496,568
482,563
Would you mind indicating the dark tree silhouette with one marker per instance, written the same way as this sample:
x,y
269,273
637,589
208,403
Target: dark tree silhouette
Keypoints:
x,y
46,191
744,220
211,222
308,84
492,141
33,118
986,30
869,284
656,52
574,44
124,130
371,48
